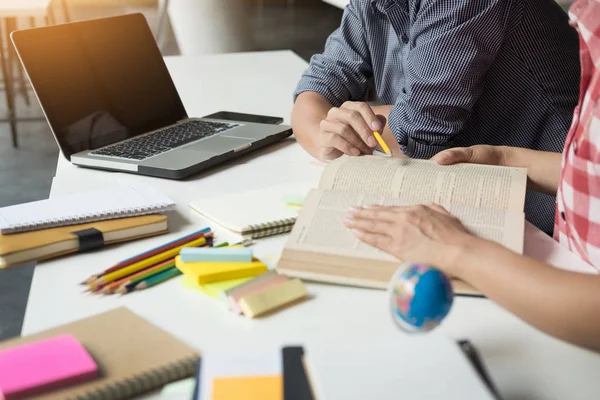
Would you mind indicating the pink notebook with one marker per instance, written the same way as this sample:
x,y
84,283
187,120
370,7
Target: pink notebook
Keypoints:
x,y
45,365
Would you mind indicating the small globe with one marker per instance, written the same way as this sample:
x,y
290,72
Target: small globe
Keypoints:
x,y
420,297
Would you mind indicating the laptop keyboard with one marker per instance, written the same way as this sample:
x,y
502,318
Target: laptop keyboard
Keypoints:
x,y
164,140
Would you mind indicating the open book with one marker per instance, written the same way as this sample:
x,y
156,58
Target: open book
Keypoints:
x,y
489,201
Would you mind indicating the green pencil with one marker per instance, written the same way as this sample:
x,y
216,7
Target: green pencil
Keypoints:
x,y
151,273
158,278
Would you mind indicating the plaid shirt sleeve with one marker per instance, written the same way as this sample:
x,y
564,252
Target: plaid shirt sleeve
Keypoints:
x,y
578,197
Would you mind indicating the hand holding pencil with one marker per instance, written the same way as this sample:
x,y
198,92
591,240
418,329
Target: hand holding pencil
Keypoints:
x,y
349,130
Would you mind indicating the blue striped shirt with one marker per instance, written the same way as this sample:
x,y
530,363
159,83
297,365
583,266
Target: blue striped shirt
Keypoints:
x,y
459,73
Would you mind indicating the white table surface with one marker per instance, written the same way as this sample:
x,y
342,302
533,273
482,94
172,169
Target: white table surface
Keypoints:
x,y
523,362
338,3
23,8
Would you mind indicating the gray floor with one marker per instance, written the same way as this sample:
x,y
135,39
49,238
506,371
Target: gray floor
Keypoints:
x,y
26,173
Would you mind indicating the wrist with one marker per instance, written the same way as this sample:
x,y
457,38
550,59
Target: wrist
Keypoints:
x,y
466,255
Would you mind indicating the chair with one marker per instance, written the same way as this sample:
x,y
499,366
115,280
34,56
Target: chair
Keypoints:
x,y
10,11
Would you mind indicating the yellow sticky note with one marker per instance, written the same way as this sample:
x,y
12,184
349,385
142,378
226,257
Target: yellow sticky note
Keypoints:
x,y
212,289
208,272
248,388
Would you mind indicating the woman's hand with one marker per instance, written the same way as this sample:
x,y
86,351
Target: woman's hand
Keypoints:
x,y
420,234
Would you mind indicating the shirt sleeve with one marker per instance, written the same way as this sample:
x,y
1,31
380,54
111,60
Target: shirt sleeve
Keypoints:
x,y
452,45
343,71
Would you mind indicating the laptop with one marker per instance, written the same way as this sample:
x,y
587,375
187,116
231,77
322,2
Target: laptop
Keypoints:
x,y
111,103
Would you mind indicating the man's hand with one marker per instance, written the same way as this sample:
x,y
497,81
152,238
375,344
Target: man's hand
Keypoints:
x,y
348,130
480,154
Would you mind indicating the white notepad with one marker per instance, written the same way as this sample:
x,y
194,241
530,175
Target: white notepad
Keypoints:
x,y
427,367
256,213
95,205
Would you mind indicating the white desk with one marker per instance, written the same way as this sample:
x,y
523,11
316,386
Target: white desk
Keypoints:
x,y
524,363
338,3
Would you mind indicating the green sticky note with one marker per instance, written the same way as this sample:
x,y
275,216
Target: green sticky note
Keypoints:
x,y
292,200
212,289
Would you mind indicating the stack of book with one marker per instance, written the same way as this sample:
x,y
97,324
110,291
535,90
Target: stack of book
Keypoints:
x,y
80,222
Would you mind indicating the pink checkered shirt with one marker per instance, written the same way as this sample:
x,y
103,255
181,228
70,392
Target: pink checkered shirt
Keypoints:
x,y
578,197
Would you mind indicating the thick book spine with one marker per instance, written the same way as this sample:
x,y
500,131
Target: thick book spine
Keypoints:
x,y
269,228
142,383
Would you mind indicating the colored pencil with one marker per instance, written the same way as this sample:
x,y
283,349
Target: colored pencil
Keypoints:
x,y
150,253
128,285
150,273
141,265
113,286
156,279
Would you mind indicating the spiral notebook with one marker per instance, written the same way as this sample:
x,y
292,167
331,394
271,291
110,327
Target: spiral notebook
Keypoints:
x,y
255,213
94,205
133,356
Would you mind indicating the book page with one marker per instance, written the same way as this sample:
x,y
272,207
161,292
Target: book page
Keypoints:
x,y
320,227
426,182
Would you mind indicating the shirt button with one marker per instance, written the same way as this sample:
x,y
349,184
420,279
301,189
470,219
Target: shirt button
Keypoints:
x,y
575,147
404,38
562,215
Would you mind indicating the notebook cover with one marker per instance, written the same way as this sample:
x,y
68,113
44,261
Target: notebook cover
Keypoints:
x,y
19,242
45,365
133,355
268,205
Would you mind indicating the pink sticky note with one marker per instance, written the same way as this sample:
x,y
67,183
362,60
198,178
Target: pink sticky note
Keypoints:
x,y
49,364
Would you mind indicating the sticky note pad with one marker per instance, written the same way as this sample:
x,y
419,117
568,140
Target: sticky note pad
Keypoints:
x,y
250,374
207,272
49,364
271,298
216,254
214,289
257,284
248,388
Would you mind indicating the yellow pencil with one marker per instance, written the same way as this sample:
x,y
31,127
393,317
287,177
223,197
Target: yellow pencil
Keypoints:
x,y
382,143
138,266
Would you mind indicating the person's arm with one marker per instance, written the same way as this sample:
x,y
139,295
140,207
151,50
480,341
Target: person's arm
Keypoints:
x,y
452,45
543,167
339,75
562,303
310,108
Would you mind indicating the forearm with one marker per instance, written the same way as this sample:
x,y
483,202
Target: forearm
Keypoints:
x,y
561,303
309,110
543,167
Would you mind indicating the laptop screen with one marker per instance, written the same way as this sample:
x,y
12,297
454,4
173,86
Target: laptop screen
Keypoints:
x,y
100,81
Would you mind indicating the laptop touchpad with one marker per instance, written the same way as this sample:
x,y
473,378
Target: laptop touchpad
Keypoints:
x,y
219,144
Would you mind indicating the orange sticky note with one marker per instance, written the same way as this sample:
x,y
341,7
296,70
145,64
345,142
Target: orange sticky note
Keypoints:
x,y
248,388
